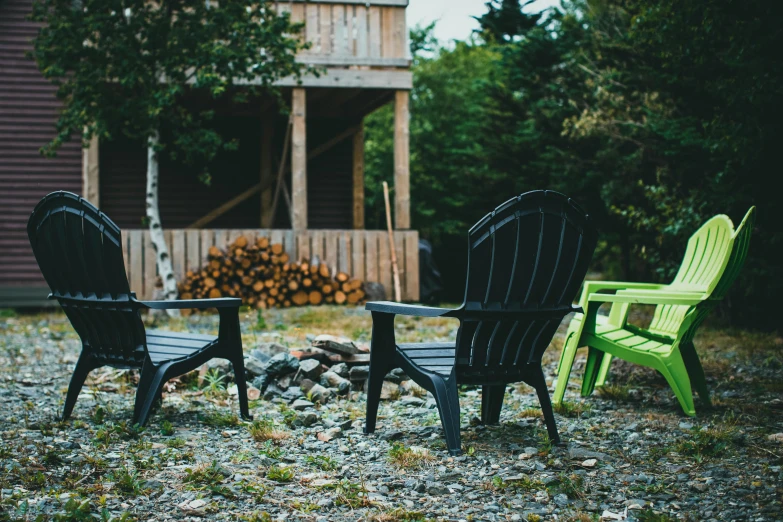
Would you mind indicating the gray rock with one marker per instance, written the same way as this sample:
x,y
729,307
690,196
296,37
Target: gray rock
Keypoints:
x,y
319,394
271,348
392,435
577,452
281,364
292,393
339,345
310,368
374,291
410,400
436,488
332,380
359,373
254,367
341,369
260,355
302,404
272,391
261,381
306,418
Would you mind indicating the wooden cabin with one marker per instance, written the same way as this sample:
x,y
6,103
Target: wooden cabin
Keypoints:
x,y
361,50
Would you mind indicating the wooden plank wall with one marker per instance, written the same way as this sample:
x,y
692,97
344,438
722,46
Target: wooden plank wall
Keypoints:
x,y
364,254
350,30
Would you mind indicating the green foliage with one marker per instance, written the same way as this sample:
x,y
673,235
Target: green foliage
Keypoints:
x,y
653,115
322,462
280,473
108,58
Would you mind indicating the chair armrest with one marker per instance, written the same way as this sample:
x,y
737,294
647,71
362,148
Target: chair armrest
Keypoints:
x,y
596,286
651,298
390,307
223,302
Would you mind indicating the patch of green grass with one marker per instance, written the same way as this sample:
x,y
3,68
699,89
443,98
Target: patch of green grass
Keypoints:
x,y
34,480
99,414
530,413
257,516
266,429
544,444
166,428
705,443
614,392
52,458
7,313
176,442
351,494
572,486
220,420
524,484
209,478
280,473
398,515
322,462
571,409
214,383
269,449
126,481
405,457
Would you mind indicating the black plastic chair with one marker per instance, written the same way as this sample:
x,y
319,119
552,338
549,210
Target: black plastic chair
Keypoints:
x,y
79,251
526,262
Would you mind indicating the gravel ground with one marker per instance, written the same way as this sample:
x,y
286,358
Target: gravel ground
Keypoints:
x,y
628,451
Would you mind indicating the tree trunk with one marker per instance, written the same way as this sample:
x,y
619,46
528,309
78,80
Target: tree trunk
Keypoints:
x,y
163,259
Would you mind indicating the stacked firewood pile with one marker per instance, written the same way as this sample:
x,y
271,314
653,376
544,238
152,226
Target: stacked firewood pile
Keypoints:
x,y
264,276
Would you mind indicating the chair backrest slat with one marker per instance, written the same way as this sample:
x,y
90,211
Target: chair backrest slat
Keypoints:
x,y
526,261
79,251
704,261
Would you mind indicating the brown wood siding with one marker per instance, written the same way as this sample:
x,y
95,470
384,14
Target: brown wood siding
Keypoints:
x,y
28,111
330,188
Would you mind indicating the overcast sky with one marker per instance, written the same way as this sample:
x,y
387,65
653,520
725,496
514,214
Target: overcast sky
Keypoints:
x,y
454,17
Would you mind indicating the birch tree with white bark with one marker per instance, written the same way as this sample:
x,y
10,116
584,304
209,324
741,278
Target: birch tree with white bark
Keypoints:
x,y
127,68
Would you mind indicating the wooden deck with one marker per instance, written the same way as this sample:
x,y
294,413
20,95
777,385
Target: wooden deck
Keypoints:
x,y
364,254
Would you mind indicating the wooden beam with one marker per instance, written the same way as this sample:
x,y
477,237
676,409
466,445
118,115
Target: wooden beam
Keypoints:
x,y
358,178
368,61
352,78
402,199
299,160
395,3
267,129
269,183
91,175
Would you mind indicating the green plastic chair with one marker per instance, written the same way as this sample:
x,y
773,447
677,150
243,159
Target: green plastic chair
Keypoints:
x,y
713,259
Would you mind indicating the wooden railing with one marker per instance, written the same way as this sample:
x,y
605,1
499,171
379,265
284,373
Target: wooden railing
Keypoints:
x,y
352,32
364,254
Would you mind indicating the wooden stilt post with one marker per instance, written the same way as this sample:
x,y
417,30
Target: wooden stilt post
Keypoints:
x,y
91,173
358,178
267,128
402,200
299,160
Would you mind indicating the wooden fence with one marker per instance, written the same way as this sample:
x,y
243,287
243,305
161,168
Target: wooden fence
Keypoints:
x,y
351,32
364,254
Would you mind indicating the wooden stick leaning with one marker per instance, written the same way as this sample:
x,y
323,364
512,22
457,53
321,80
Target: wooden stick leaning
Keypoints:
x,y
281,170
395,268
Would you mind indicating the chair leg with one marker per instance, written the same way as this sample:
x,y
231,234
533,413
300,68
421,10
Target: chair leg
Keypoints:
x,y
566,362
83,367
538,381
695,372
592,367
603,373
447,399
674,371
150,385
492,403
382,351
238,363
